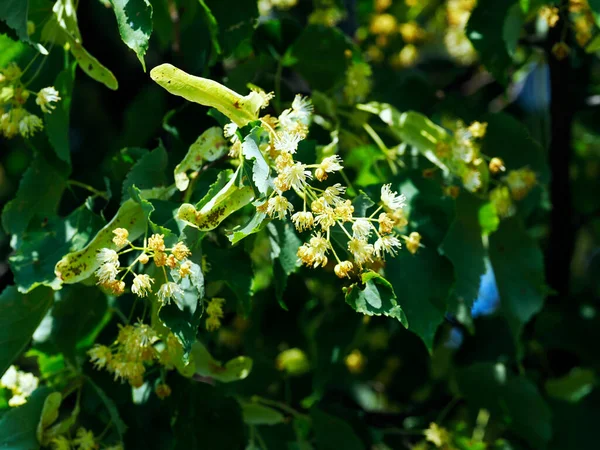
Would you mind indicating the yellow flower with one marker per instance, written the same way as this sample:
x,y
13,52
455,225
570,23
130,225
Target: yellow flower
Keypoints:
x,y
180,251
407,57
29,125
100,356
383,24
355,361
85,439
561,50
478,129
160,259
60,443
343,269
214,310
157,243
391,199
169,291
358,82
344,210
386,244
142,285
549,14
520,182
411,32
45,99
303,220
280,206
314,252
121,235
185,269
162,390
502,201
361,250
413,242
213,323
496,165
386,224
293,361
437,435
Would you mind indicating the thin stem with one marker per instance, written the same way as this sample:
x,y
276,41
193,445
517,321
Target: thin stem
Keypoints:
x,y
87,187
279,405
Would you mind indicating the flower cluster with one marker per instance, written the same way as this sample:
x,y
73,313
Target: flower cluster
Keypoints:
x,y
214,310
462,154
136,347
84,440
175,258
457,43
21,384
326,212
358,82
14,117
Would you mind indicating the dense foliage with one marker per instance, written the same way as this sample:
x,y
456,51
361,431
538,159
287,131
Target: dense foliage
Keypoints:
x,y
285,224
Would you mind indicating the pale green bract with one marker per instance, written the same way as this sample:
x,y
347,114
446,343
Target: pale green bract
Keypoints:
x,y
240,110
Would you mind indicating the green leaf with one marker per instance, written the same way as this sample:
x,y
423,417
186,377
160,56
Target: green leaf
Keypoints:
x,y
573,386
236,21
254,225
18,427
235,369
485,29
57,123
209,146
512,399
206,419
20,315
257,171
511,30
38,196
149,209
519,270
72,320
213,28
257,414
10,50
284,248
595,7
115,418
376,298
49,414
422,282
80,265
332,433
38,251
488,218
463,246
319,56
14,14
134,18
148,172
233,266
523,149
183,319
